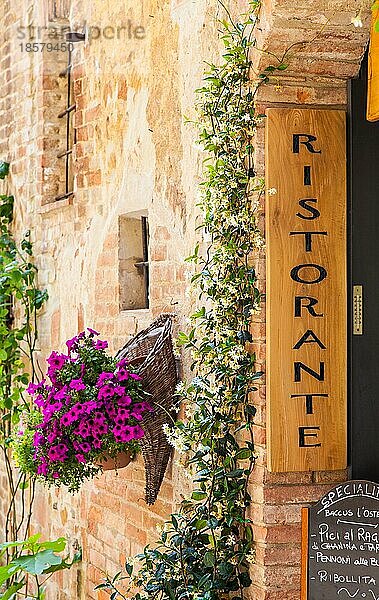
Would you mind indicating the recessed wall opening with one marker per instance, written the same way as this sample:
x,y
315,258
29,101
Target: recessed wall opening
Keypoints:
x,y
133,255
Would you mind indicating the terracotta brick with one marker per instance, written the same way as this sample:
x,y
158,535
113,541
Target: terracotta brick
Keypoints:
x,y
122,92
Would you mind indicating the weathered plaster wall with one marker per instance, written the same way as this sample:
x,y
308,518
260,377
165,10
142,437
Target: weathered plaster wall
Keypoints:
x,y
133,153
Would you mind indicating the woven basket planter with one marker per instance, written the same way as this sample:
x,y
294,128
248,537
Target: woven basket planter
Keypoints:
x,y
151,350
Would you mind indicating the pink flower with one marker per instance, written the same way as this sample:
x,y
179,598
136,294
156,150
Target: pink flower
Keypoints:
x,y
124,401
101,345
138,432
71,343
92,331
42,469
39,401
103,377
107,391
67,419
119,390
58,453
77,384
61,394
123,362
81,458
56,361
122,374
85,447
35,387
51,437
135,377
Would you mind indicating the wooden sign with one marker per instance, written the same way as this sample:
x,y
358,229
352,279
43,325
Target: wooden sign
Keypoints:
x,y
306,289
373,68
342,545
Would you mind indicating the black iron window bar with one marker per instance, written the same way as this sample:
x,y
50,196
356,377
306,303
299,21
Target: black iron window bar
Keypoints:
x,y
144,263
71,37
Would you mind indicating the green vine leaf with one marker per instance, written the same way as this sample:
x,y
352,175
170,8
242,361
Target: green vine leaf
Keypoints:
x,y
4,169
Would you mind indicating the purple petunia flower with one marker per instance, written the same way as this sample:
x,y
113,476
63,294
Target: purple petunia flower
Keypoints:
x,y
67,419
122,363
138,432
101,345
35,387
51,437
135,377
107,391
103,377
71,343
85,447
42,469
122,374
56,361
81,458
39,400
92,331
124,401
101,429
61,394
58,453
77,384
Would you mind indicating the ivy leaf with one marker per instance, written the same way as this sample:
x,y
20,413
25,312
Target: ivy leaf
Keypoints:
x,y
198,495
243,454
209,559
234,474
4,169
38,563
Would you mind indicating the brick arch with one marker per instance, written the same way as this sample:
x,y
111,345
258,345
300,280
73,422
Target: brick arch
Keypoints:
x,y
325,44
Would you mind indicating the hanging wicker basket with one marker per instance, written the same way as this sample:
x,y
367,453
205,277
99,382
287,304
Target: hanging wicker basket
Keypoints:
x,y
151,350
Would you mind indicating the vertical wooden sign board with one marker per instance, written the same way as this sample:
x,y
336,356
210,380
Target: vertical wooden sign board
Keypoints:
x,y
306,289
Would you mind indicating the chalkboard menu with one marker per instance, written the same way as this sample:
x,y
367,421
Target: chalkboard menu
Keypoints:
x,y
343,543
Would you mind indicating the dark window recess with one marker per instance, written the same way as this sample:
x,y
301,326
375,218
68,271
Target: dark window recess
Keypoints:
x,y
67,114
133,255
144,264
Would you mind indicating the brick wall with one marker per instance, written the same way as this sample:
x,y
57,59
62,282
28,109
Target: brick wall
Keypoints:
x,y
134,153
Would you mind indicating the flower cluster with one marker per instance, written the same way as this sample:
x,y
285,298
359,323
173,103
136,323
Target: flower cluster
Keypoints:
x,y
91,406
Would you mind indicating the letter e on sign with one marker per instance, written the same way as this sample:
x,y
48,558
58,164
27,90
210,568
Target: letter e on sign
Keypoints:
x,y
306,290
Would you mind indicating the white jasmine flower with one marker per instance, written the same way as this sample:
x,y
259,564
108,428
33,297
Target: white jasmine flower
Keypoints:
x,y
175,438
250,557
272,191
357,20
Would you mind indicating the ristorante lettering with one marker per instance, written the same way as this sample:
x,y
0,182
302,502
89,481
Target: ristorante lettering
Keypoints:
x,y
308,273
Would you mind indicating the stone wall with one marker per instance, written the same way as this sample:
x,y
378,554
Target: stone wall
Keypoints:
x,y
134,154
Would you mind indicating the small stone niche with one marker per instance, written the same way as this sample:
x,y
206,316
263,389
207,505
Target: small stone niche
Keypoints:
x,y
133,255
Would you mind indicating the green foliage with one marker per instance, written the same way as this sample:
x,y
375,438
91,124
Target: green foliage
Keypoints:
x,y
33,558
4,169
205,549
22,442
